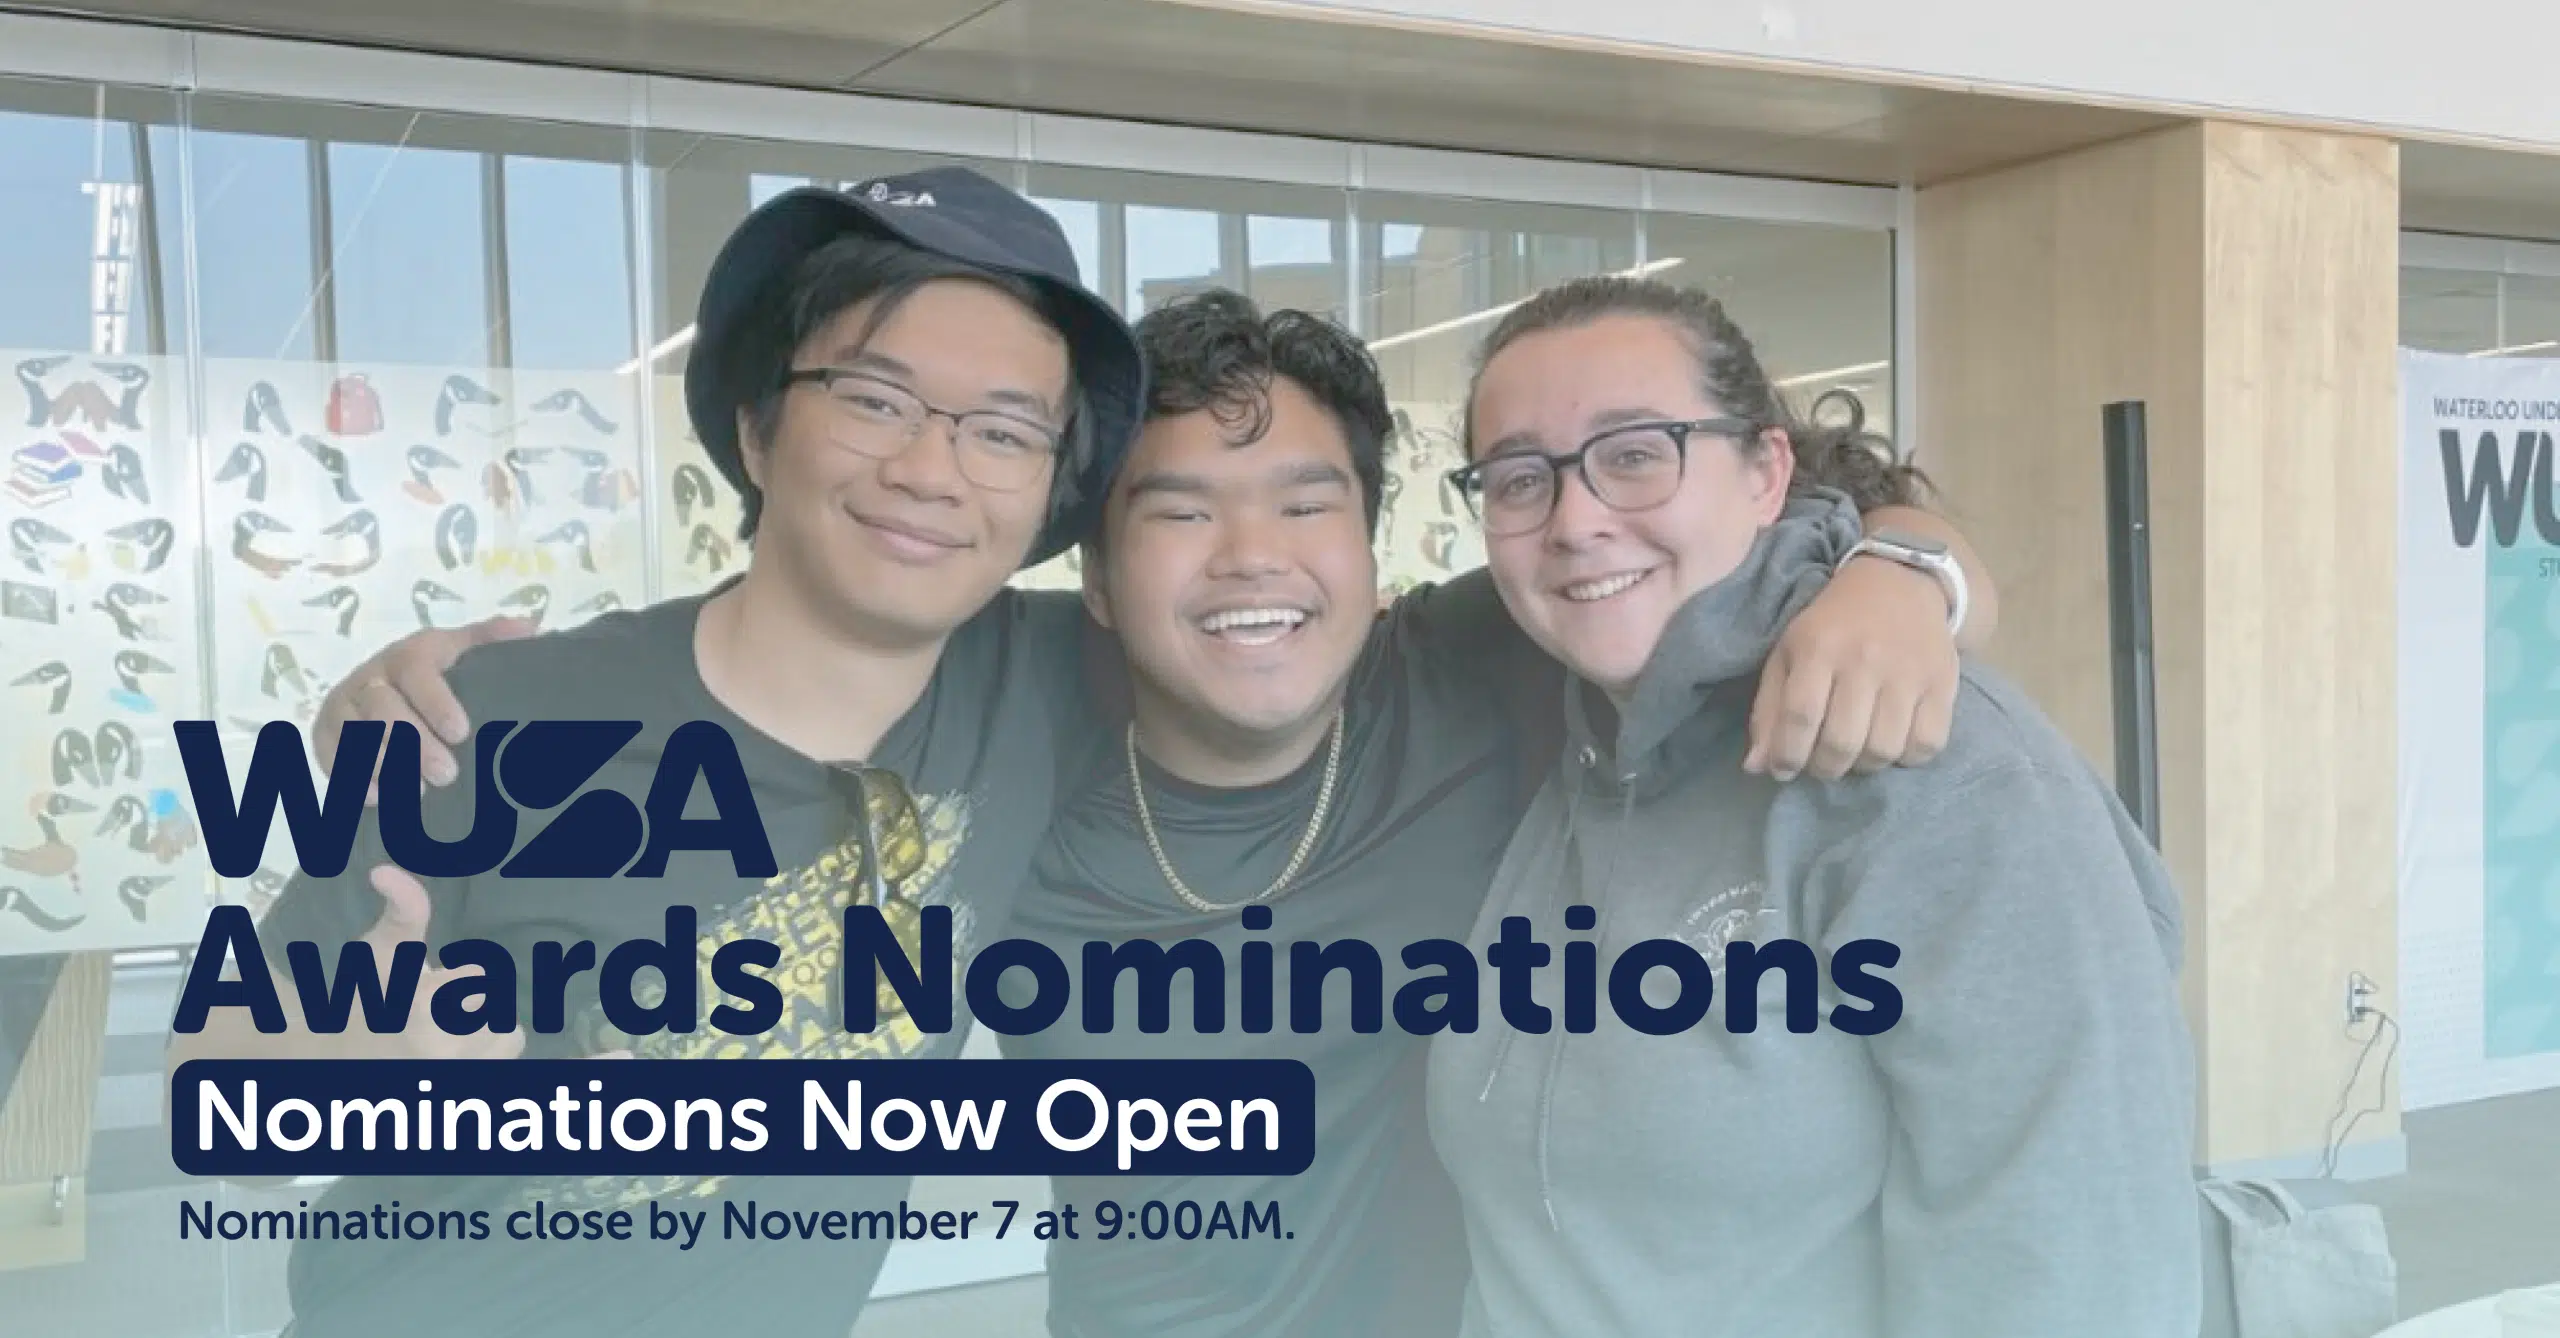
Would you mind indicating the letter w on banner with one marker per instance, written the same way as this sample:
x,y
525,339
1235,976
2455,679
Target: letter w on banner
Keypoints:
x,y
2479,779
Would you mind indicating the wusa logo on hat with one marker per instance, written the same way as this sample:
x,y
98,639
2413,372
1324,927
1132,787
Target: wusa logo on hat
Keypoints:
x,y
881,192
955,213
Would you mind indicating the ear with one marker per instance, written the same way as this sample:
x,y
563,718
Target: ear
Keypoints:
x,y
1097,591
1772,474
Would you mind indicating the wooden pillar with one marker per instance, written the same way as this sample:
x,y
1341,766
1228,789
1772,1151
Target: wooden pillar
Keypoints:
x,y
2242,282
45,1122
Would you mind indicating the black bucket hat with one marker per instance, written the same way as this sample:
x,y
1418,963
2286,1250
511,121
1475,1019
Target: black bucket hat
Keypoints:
x,y
952,212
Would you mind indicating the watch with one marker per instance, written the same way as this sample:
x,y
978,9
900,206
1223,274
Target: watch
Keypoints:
x,y
1926,556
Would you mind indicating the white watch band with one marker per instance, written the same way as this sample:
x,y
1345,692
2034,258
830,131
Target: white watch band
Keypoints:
x,y
1941,567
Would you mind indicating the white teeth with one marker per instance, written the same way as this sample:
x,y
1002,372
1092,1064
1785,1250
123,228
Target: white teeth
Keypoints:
x,y
1234,619
1602,589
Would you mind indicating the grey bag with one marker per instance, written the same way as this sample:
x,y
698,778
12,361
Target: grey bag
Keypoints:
x,y
2300,1272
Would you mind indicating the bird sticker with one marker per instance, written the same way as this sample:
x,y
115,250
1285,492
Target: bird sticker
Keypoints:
x,y
500,488
604,603
364,533
118,752
426,596
127,815
576,402
600,486
248,532
457,536
424,461
246,466
264,887
520,461
529,602
1439,540
29,603
15,901
54,857
31,375
130,380
573,535
707,548
135,894
173,833
38,546
74,759
693,490
460,391
281,675
130,666
119,604
122,474
53,676
265,411
340,600
142,546
333,462
87,403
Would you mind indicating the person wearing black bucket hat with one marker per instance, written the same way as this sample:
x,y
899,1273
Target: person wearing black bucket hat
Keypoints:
x,y
950,212
916,398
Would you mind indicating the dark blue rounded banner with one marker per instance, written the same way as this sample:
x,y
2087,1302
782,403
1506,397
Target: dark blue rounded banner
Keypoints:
x,y
702,1117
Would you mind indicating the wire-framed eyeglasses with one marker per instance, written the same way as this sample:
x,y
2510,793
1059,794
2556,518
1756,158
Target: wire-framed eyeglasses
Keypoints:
x,y
1632,468
999,451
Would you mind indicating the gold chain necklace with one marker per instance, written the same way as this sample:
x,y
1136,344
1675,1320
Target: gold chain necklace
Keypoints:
x,y
1297,859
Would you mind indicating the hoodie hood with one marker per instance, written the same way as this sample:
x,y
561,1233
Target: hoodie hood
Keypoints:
x,y
1722,634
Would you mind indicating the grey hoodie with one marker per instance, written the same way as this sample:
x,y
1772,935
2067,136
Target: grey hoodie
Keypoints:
x,y
2012,1158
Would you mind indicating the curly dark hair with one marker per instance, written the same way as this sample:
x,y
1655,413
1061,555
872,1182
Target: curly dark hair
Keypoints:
x,y
1831,450
1214,351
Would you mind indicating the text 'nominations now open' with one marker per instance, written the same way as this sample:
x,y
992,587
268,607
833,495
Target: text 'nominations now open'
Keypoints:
x,y
681,1117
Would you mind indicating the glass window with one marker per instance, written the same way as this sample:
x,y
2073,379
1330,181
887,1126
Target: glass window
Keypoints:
x,y
1171,252
2533,316
2479,312
1816,302
79,188
568,258
100,619
254,245
2448,311
1153,238
1447,270
408,254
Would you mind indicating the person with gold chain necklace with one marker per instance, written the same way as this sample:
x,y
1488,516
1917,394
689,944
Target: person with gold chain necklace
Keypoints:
x,y
1293,767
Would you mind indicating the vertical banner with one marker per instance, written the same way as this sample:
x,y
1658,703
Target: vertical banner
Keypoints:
x,y
2479,726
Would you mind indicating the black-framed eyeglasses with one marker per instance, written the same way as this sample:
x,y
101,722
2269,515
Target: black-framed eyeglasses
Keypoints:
x,y
999,451
1632,468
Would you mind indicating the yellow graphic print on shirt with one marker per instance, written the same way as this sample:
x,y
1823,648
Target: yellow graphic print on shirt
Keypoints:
x,y
801,910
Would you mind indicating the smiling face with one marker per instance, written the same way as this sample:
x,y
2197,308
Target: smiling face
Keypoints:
x,y
1596,586
907,548
1239,578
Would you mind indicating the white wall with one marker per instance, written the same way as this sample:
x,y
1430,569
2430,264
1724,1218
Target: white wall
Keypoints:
x,y
2464,69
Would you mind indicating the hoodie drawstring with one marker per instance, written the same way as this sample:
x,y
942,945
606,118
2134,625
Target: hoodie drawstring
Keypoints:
x,y
1572,812
1600,903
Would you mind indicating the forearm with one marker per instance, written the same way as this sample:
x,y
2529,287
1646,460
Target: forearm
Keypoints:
x,y
1982,614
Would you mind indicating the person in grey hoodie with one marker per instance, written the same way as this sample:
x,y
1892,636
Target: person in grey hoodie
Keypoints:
x,y
1986,1131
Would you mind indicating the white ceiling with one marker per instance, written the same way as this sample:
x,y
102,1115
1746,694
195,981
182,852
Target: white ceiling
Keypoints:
x,y
1152,60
